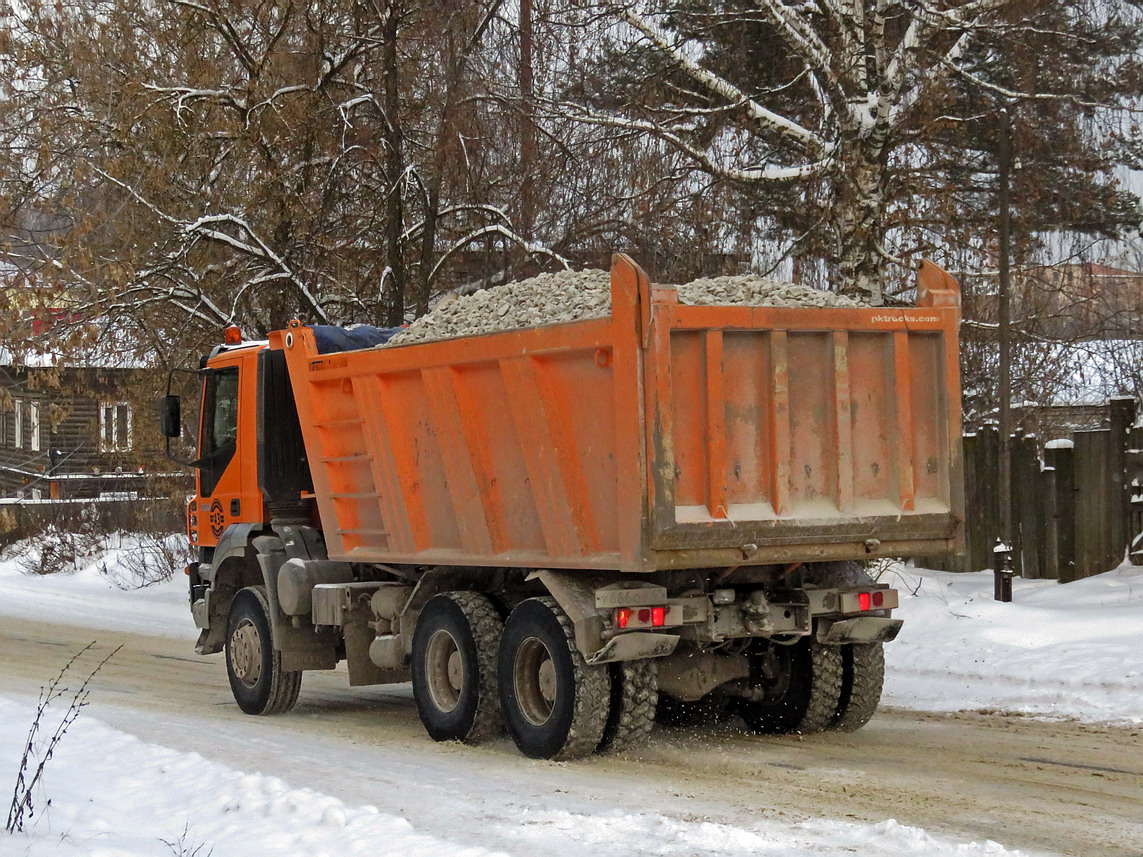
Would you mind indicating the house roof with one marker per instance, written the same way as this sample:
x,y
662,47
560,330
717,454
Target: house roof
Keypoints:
x,y
99,344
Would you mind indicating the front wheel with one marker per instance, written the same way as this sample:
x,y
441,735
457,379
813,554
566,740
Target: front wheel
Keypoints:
x,y
555,704
254,666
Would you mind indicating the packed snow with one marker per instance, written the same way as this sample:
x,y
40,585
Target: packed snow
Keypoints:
x,y
114,795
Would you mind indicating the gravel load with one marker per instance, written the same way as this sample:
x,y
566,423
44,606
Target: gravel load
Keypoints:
x,y
546,299
755,290
575,295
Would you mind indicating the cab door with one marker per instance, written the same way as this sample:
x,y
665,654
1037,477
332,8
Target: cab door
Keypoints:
x,y
227,470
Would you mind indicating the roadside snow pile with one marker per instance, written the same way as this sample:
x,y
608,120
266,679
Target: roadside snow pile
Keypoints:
x,y
112,795
575,295
96,594
1057,651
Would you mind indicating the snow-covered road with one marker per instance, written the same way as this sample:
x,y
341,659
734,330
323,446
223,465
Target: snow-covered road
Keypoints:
x,y
162,749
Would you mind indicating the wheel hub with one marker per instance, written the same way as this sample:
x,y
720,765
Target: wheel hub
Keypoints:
x,y
774,669
534,680
246,653
455,671
444,671
547,681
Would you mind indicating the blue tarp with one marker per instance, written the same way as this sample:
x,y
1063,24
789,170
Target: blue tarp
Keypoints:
x,y
330,338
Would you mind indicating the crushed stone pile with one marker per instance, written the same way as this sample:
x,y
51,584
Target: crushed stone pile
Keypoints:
x,y
755,290
546,299
575,295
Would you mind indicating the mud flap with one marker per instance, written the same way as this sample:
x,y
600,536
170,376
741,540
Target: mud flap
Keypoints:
x,y
862,629
635,646
302,646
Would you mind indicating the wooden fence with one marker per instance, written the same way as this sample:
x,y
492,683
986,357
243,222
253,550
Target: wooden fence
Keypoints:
x,y
1071,499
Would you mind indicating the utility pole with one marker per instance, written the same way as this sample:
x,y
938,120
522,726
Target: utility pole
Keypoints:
x,y
1002,560
527,123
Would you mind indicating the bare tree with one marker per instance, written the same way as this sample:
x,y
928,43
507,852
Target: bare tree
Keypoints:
x,y
831,97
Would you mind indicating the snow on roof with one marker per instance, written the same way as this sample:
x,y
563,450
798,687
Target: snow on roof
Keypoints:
x,y
100,344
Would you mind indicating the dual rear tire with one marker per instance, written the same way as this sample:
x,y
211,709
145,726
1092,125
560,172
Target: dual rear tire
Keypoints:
x,y
472,673
809,687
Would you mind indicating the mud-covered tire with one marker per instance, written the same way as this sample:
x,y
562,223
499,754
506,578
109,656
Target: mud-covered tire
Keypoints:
x,y
455,645
254,666
555,704
631,713
862,679
806,696
863,664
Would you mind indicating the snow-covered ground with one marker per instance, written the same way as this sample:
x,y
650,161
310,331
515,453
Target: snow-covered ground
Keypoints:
x,y
115,796
1073,651
1058,651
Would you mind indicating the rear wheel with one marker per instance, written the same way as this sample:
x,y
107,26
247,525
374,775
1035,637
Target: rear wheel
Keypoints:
x,y
454,667
802,686
555,704
862,678
254,666
631,714
863,664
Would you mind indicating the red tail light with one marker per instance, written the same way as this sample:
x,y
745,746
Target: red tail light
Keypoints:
x,y
629,618
864,600
878,599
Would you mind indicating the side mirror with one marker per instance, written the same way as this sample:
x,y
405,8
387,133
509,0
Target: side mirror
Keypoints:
x,y
170,416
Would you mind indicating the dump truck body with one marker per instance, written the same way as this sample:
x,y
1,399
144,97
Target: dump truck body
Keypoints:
x,y
665,436
549,528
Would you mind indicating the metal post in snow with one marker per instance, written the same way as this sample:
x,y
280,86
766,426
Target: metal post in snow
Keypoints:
x,y
1002,571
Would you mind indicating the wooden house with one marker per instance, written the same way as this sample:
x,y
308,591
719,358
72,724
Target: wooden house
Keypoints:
x,y
77,425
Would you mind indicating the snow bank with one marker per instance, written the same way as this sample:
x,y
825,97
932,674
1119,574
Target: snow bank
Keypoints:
x,y
1072,651
624,833
114,796
95,596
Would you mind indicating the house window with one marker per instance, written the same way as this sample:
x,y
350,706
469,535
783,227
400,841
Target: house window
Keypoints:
x,y
18,427
114,426
34,419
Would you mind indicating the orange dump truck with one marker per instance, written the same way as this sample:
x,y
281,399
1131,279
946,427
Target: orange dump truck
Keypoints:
x,y
573,529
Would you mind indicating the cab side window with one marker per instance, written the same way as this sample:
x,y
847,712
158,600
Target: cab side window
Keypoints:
x,y
219,427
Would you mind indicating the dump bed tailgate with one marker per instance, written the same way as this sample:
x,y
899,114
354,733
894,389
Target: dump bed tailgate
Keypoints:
x,y
802,433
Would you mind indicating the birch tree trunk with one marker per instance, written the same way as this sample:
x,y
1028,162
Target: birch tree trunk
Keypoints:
x,y
857,218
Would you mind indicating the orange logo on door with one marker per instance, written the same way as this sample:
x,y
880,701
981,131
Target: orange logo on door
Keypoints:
x,y
217,518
